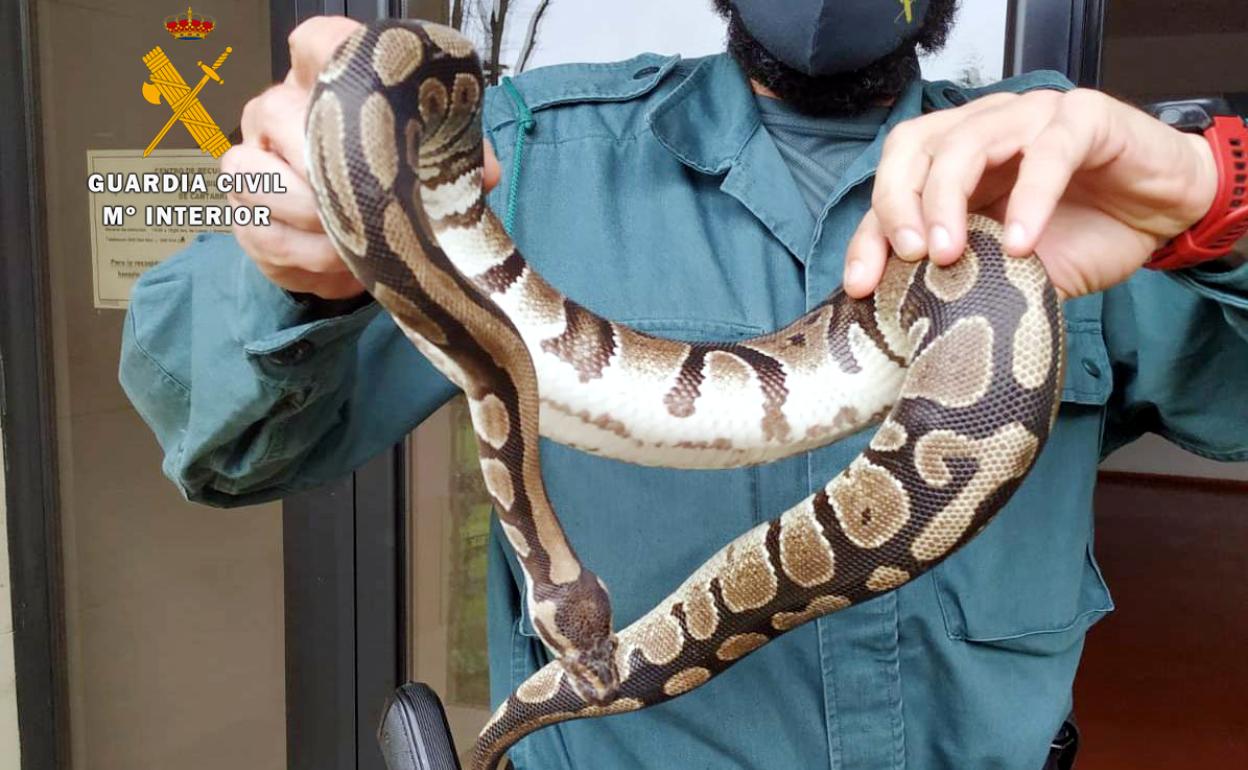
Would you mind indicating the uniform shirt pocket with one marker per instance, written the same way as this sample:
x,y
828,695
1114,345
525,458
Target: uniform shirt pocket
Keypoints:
x,y
1030,582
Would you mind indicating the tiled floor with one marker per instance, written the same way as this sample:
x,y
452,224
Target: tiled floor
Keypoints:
x,y
1164,682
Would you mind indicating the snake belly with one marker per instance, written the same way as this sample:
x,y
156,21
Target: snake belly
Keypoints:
x,y
961,367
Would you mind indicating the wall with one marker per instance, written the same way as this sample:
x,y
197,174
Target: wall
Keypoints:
x,y
1147,65
10,752
1154,455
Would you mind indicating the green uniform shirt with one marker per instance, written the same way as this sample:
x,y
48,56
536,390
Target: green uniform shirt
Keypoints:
x,y
649,191
818,151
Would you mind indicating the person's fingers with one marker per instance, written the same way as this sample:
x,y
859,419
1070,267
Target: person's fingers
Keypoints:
x,y
249,123
903,169
865,257
950,182
994,189
274,121
312,43
280,245
1060,149
298,260
337,286
895,201
491,172
960,159
295,207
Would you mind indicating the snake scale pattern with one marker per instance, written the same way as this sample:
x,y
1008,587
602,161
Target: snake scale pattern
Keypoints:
x,y
960,366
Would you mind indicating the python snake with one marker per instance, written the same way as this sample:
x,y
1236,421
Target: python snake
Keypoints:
x,y
961,365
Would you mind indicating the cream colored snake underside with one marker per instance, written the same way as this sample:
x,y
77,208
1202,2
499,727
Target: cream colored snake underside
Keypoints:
x,y
961,366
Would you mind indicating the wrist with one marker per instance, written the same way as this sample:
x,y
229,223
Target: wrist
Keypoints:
x,y
1204,185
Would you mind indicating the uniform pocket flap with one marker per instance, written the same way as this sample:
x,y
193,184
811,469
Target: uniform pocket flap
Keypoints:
x,y
1041,613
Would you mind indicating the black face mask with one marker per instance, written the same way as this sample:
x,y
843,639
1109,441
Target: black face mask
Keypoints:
x,y
828,37
844,92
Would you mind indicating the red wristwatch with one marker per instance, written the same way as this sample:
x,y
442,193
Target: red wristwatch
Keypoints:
x,y
1215,235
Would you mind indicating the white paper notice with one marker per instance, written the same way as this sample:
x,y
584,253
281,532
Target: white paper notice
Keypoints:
x,y
120,252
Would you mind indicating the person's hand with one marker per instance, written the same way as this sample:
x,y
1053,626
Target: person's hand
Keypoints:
x,y
1090,184
293,251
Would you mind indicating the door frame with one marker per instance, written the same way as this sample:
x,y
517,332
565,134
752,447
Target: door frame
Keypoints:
x,y
26,412
345,548
1061,35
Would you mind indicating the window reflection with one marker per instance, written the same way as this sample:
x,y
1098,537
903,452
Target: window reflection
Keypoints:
x,y
468,674
449,525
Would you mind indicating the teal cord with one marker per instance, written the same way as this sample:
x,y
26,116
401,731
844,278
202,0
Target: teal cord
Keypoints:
x,y
525,123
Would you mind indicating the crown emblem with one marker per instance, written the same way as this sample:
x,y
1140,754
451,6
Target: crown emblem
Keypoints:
x,y
192,26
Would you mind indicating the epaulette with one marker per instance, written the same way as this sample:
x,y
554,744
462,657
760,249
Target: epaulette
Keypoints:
x,y
561,84
943,94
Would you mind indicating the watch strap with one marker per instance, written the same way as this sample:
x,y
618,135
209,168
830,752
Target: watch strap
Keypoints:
x,y
1215,235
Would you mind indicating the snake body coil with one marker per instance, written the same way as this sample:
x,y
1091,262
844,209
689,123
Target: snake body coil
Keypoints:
x,y
962,367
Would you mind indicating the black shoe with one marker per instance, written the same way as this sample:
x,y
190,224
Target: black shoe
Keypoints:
x,y
1064,747
414,734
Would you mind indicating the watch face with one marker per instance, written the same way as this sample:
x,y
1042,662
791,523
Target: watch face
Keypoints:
x,y
1191,115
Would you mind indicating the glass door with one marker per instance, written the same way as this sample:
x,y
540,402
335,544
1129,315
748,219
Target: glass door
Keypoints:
x,y
150,632
173,613
447,551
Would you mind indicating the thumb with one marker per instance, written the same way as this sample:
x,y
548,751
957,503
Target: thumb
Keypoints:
x,y
491,172
312,43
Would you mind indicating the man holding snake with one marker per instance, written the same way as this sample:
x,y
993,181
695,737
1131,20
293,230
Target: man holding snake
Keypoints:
x,y
718,198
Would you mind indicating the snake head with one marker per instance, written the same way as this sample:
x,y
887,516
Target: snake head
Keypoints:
x,y
583,616
593,672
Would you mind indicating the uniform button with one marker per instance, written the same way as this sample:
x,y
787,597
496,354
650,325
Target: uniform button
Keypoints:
x,y
293,353
1090,367
644,72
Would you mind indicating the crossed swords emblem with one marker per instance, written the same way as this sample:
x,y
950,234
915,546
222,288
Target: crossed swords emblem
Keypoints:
x,y
167,82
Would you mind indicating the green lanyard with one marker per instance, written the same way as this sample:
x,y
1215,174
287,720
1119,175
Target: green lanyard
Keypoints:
x,y
517,158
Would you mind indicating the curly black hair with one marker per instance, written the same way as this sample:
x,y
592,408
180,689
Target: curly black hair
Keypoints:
x,y
846,93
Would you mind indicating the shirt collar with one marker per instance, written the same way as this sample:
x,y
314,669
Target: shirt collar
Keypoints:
x,y
707,119
710,122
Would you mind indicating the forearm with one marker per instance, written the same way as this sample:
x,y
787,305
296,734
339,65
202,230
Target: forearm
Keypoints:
x,y
253,394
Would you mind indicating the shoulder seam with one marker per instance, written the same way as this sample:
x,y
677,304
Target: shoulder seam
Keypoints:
x,y
531,85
